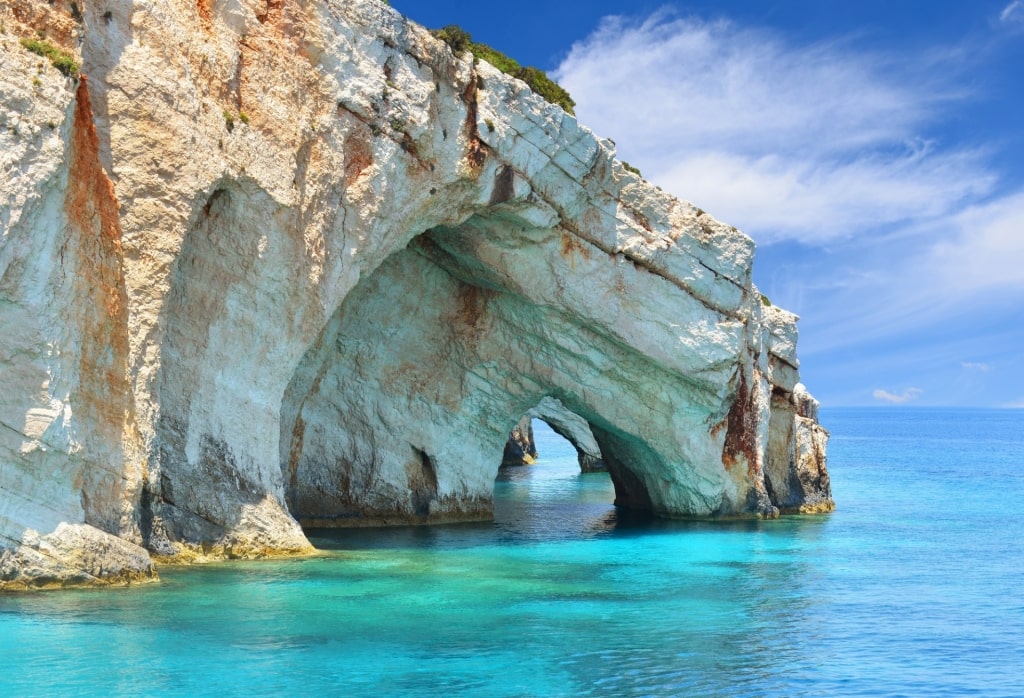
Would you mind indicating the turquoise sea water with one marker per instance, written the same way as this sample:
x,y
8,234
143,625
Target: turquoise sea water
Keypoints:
x,y
914,587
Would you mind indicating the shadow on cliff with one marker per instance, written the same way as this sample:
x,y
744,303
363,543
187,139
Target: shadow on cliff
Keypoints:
x,y
225,316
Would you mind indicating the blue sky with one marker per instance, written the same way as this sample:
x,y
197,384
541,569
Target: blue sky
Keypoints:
x,y
874,150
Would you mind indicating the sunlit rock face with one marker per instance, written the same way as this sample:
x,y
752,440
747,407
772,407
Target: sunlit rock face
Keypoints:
x,y
296,262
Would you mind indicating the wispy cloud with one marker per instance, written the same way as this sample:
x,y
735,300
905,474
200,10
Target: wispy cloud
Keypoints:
x,y
987,249
975,366
1014,12
908,395
807,142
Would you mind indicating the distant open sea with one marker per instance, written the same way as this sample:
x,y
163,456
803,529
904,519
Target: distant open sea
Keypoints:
x,y
913,587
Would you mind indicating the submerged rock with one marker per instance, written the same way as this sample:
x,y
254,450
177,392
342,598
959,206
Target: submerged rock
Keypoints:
x,y
265,265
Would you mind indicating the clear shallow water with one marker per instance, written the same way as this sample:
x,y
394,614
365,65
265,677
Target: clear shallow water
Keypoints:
x,y
914,586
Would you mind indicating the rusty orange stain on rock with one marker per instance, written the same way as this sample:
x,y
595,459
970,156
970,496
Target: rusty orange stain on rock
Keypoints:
x,y
476,152
358,154
573,245
205,9
740,439
95,235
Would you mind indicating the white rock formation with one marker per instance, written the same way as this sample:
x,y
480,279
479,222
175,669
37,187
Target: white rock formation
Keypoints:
x,y
274,262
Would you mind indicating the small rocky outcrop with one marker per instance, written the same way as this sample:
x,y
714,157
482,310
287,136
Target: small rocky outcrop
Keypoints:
x,y
520,448
273,265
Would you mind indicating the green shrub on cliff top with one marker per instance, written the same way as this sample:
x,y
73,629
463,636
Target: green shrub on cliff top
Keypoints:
x,y
456,37
547,88
460,41
61,60
631,168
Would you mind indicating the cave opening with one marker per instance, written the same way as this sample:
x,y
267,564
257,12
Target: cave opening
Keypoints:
x,y
521,447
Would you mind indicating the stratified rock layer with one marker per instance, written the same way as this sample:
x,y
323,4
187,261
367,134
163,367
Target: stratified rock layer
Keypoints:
x,y
273,263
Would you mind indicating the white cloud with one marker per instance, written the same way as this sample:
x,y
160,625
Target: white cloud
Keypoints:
x,y
907,395
1012,12
775,197
975,366
807,142
948,275
988,248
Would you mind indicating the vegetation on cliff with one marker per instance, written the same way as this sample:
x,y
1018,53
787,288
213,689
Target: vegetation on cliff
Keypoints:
x,y
61,60
460,41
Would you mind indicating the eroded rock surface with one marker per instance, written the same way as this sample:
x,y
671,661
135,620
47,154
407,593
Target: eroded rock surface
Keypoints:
x,y
296,262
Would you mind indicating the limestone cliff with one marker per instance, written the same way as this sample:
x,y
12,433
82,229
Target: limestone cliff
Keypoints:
x,y
277,262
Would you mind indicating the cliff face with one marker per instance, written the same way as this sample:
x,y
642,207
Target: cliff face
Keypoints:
x,y
272,263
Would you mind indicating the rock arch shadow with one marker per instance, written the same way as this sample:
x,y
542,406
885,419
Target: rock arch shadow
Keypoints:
x,y
585,439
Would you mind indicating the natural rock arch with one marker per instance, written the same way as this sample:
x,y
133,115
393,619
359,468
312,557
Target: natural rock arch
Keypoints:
x,y
401,407
398,412
563,422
